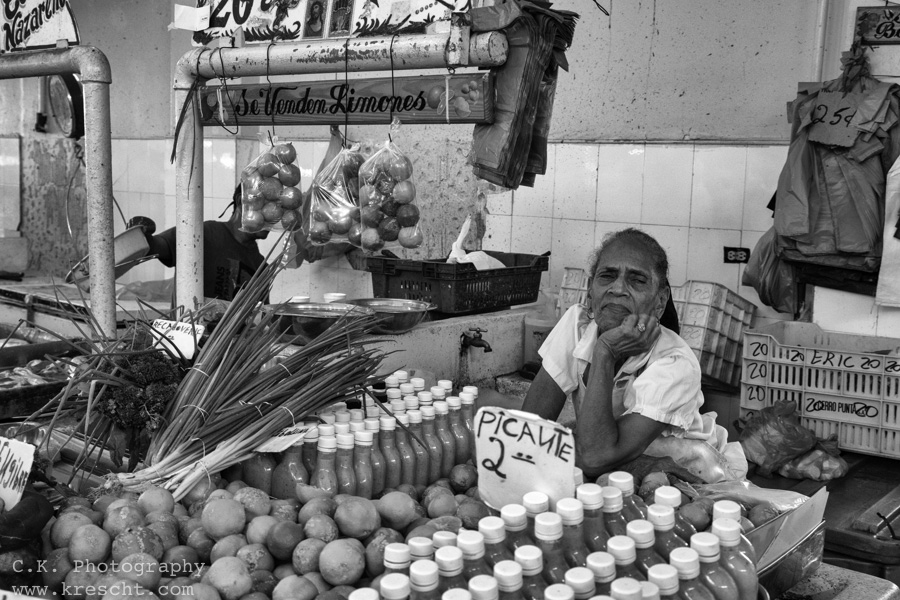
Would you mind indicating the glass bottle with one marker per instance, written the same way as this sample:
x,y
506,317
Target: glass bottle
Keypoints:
x,y
325,477
515,520
687,563
392,468
425,399
535,503
443,538
738,565
373,425
633,507
581,580
494,532
558,591
404,449
626,588
467,413
642,533
310,441
728,509
484,587
548,529
346,476
438,393
395,587
595,535
420,548
411,402
362,463
423,580
459,431
396,560
289,473
623,551
445,436
508,574
571,511
665,576
615,521
472,545
671,496
712,574
603,566
258,470
449,560
417,441
532,562
432,443
663,520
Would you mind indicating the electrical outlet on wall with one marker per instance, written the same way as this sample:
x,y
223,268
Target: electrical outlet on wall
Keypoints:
x,y
736,255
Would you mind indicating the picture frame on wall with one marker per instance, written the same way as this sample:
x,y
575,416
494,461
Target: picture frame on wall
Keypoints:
x,y
315,21
340,20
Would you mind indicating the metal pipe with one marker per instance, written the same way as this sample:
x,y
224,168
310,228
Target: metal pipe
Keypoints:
x,y
95,73
821,23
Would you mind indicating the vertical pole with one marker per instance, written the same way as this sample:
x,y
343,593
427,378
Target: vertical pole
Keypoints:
x,y
189,207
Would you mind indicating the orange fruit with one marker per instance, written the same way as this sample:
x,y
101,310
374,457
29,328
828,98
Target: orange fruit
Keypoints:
x,y
321,527
141,568
282,538
397,509
156,499
65,526
89,543
342,562
357,517
305,557
462,477
223,517
231,578
295,587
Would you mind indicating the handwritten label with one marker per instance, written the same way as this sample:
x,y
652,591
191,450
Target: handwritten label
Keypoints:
x,y
174,335
30,24
519,452
832,119
836,408
287,437
15,466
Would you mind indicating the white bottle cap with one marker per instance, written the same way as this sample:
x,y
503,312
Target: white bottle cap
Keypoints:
x,y
484,587
394,394
327,443
471,389
493,529
446,384
394,586
415,416
357,414
571,510
407,389
508,574
340,428
726,509
411,402
401,376
420,548
581,580
577,476
665,577
625,588
342,416
456,594
418,383
437,392
345,441
427,412
558,591
466,398
396,556
398,407
622,548
535,503
453,402
649,591
365,593
327,418
423,575
591,495
326,429
612,499
514,517
391,381
443,538
728,530
357,426
641,532
449,560
311,435
601,597
686,561
363,438
602,565
668,496
402,418
425,398
471,543
388,423
622,480
531,559
548,526
373,424
441,408
706,545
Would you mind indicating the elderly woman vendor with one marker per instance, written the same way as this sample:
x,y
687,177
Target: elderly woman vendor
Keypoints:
x,y
635,384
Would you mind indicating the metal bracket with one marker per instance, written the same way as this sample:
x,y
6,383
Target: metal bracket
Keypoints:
x,y
458,44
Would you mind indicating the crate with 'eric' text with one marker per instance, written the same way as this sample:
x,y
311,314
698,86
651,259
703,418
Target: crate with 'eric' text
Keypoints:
x,y
842,384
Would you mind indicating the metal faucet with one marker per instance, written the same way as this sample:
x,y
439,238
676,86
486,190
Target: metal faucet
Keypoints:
x,y
474,340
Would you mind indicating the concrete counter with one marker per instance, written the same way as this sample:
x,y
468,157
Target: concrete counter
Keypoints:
x,y
836,583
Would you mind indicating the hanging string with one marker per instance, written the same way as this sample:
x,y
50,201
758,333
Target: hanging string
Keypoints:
x,y
227,95
269,81
393,94
347,87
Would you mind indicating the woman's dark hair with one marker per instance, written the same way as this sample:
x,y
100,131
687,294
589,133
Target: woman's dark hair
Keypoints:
x,y
642,239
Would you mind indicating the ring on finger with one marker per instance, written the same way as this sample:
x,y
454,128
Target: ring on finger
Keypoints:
x,y
641,327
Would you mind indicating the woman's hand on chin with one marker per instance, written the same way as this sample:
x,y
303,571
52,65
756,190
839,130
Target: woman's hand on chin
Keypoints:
x,y
635,335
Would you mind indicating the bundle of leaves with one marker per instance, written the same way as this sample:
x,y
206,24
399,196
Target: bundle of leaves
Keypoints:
x,y
151,381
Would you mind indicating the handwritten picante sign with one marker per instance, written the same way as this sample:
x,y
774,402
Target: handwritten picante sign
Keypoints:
x,y
519,452
833,119
878,25
287,437
423,99
173,335
30,24
15,466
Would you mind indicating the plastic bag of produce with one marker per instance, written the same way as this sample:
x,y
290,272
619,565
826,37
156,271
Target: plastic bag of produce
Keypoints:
x,y
773,436
823,463
334,200
270,190
387,208
746,494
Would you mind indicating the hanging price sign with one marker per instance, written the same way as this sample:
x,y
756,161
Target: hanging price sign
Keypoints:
x,y
833,119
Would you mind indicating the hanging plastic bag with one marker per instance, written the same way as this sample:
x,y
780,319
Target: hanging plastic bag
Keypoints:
x,y
771,277
773,436
334,200
270,190
823,463
481,260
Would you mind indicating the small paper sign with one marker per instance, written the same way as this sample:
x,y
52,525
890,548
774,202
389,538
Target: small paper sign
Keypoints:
x,y
174,335
287,437
15,466
518,452
832,119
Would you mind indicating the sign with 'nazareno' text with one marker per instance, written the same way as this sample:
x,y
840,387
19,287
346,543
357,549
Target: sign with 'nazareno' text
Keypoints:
x,y
424,99
31,24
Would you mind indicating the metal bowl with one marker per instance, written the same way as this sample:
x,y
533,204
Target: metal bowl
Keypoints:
x,y
309,319
25,431
394,314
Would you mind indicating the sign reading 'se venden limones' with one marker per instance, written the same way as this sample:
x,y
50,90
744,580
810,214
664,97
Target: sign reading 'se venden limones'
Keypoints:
x,y
31,24
423,99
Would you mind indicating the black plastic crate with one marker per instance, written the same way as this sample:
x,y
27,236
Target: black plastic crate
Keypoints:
x,y
460,288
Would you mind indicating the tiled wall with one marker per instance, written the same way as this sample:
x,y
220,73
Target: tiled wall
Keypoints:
x,y
10,211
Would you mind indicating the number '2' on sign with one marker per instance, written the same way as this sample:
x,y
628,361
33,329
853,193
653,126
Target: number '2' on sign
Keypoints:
x,y
519,452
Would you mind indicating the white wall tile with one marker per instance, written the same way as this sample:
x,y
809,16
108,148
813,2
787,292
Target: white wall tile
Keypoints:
x,y
223,167
499,203
674,241
888,322
145,170
207,169
705,256
120,158
538,201
620,182
764,164
575,191
573,242
845,312
131,205
291,282
667,185
168,171
602,228
170,212
717,191
498,233
533,235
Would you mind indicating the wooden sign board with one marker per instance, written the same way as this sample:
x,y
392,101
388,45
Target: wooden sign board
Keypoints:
x,y
518,452
32,24
878,25
15,466
422,99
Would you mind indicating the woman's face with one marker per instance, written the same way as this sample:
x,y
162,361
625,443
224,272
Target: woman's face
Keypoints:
x,y
623,284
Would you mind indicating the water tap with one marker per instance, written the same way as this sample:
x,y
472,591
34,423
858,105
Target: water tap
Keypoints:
x,y
473,340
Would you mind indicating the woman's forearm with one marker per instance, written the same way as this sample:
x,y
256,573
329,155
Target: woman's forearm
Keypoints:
x,y
596,431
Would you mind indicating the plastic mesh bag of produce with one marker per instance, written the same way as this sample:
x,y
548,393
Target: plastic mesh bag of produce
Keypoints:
x,y
387,208
334,200
773,436
270,190
822,463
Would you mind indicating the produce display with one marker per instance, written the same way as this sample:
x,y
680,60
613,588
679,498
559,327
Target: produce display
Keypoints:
x,y
334,208
35,372
270,190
